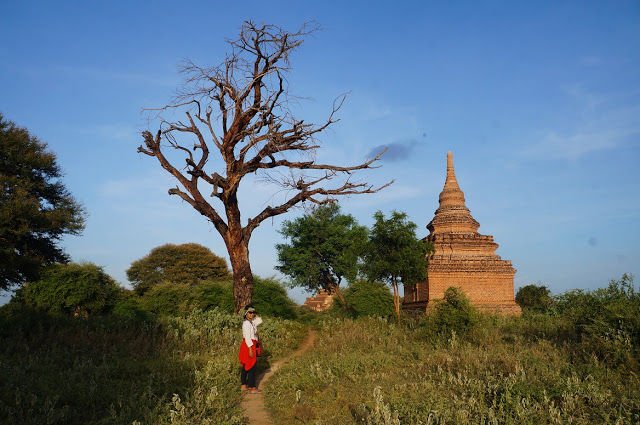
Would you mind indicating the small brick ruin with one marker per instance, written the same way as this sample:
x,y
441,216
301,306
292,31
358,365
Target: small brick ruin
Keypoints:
x,y
321,302
462,258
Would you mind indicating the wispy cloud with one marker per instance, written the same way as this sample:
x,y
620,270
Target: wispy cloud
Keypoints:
x,y
576,145
603,122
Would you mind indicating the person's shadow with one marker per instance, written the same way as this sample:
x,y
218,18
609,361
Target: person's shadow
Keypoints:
x,y
264,366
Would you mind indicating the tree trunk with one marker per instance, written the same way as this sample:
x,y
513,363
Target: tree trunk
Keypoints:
x,y
238,249
396,299
340,296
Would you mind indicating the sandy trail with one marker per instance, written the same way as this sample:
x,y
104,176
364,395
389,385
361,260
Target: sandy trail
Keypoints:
x,y
253,404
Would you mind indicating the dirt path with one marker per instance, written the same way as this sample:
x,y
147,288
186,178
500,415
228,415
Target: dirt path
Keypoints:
x,y
253,404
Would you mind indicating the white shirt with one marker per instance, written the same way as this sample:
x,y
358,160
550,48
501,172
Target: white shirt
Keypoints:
x,y
249,330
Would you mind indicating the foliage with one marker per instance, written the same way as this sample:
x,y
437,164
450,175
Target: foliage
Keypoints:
x,y
454,314
36,209
103,370
270,299
394,254
170,299
606,321
534,298
129,308
210,295
71,289
324,248
188,263
366,298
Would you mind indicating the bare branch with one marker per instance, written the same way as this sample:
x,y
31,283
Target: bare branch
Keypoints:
x,y
238,122
305,194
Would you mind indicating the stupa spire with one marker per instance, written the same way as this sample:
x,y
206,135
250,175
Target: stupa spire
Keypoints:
x,y
453,214
451,181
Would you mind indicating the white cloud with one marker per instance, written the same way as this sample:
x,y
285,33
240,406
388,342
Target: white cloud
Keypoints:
x,y
575,145
604,122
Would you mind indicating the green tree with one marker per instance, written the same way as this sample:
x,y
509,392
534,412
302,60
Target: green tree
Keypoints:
x,y
366,298
233,121
36,210
394,254
534,298
71,289
324,249
188,263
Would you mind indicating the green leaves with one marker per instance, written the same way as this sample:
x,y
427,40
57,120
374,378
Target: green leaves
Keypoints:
x,y
324,248
71,289
394,253
36,209
188,263
534,298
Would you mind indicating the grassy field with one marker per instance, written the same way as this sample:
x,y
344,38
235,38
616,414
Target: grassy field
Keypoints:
x,y
505,371
575,360
181,370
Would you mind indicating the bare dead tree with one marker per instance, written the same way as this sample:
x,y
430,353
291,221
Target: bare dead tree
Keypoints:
x,y
237,114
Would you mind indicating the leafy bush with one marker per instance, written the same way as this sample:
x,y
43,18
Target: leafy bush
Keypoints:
x,y
210,295
454,314
129,307
534,298
167,299
366,298
170,299
606,321
71,289
271,299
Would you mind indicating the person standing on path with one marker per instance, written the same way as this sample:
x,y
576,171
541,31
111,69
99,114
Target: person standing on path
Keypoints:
x,y
249,350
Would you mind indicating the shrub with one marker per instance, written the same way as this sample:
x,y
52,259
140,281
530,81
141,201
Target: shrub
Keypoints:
x,y
167,299
129,307
71,289
534,298
366,298
271,299
606,321
210,295
454,314
170,299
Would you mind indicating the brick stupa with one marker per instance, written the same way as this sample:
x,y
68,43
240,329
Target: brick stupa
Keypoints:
x,y
462,258
321,302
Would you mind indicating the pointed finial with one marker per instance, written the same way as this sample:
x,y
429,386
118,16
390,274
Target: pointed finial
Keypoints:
x,y
450,181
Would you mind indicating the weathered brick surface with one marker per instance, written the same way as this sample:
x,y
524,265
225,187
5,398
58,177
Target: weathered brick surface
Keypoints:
x,y
321,302
463,258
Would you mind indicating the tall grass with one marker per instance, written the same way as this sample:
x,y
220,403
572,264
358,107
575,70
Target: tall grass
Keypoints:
x,y
180,370
503,371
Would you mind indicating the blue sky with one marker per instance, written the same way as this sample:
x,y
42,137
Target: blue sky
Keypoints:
x,y
539,101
